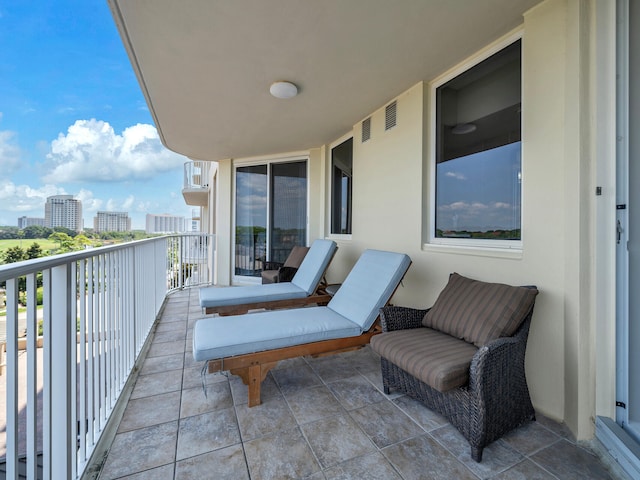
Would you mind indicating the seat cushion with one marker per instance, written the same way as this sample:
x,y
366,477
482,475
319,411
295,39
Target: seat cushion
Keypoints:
x,y
435,358
223,296
479,312
221,337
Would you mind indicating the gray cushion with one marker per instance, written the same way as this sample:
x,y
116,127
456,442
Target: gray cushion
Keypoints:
x,y
369,286
314,265
304,282
479,312
437,359
223,296
220,337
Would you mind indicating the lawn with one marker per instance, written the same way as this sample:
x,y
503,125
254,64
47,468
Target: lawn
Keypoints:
x,y
25,243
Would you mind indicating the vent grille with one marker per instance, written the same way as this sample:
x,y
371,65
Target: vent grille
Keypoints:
x,y
390,116
366,129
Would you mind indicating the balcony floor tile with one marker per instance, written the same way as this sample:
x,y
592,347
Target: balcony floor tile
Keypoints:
x,y
320,419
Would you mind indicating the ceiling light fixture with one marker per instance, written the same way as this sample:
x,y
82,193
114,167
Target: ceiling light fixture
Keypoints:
x,y
462,128
283,90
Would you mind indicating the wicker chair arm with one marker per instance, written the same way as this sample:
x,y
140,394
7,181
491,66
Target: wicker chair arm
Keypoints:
x,y
400,318
271,265
500,361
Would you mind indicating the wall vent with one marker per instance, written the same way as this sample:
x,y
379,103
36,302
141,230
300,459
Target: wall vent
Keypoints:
x,y
366,129
390,116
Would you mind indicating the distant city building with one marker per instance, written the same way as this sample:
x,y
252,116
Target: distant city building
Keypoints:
x,y
24,222
112,222
63,211
165,223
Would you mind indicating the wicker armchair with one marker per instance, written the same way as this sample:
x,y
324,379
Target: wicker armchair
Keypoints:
x,y
494,401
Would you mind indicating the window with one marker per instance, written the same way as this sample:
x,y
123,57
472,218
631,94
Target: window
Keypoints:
x,y
271,213
341,187
478,152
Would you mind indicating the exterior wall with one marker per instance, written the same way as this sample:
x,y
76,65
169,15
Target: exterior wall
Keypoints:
x,y
391,209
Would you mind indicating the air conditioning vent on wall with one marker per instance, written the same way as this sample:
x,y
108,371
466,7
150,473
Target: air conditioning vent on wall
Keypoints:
x,y
390,116
366,129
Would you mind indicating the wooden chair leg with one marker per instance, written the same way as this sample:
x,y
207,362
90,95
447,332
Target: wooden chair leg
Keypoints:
x,y
252,376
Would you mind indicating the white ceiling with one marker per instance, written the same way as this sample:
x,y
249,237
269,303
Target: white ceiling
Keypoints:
x,y
205,66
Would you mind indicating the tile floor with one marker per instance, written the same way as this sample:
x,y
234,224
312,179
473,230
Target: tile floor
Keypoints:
x,y
321,419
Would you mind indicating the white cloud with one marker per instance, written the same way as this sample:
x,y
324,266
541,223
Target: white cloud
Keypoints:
x,y
23,198
89,203
456,175
92,151
9,151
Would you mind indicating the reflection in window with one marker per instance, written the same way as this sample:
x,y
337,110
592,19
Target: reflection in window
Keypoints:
x,y
341,187
478,145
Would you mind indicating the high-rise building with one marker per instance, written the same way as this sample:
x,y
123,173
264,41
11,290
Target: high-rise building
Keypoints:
x,y
63,211
24,222
112,222
165,223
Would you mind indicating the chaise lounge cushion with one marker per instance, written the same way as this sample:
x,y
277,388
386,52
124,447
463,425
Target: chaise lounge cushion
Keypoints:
x,y
223,296
221,337
479,312
372,282
367,288
437,359
303,284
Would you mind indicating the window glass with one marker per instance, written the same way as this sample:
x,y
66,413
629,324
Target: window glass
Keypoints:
x,y
341,187
478,151
271,214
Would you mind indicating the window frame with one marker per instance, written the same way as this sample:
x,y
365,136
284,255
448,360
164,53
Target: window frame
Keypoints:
x,y
468,245
332,145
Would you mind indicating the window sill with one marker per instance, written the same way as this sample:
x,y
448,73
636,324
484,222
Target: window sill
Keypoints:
x,y
339,236
475,250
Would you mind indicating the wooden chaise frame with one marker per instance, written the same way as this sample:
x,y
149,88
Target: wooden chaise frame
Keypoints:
x,y
253,367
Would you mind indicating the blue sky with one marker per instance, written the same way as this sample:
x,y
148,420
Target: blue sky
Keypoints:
x,y
73,119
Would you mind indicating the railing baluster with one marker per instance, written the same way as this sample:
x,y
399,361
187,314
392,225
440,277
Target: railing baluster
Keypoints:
x,y
32,375
12,378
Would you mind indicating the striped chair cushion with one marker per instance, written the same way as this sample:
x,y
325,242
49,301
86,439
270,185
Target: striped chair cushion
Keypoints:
x,y
435,358
479,312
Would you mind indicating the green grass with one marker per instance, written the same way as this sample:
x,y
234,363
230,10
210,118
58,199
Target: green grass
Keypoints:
x,y
25,243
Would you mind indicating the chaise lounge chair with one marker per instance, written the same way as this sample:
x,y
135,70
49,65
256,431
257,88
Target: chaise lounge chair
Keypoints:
x,y
250,345
301,290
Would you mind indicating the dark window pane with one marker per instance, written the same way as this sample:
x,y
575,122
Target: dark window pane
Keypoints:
x,y
288,208
341,187
251,219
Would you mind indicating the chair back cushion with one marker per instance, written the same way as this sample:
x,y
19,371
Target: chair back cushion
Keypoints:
x,y
314,265
369,286
479,312
296,256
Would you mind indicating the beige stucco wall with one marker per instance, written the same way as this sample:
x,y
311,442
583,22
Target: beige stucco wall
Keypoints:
x,y
391,205
391,202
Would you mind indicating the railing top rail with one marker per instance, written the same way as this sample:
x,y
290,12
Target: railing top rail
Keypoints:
x,y
26,267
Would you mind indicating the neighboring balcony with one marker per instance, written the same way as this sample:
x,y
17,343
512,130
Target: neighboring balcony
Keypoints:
x,y
196,183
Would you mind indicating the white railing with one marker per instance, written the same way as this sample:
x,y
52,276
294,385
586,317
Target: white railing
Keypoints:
x,y
196,174
98,307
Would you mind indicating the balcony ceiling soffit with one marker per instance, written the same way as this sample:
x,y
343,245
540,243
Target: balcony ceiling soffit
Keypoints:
x,y
205,66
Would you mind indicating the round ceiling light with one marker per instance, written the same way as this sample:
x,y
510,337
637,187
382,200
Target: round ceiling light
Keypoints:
x,y
283,90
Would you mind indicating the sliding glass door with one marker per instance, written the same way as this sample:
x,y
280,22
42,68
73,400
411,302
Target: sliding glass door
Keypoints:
x,y
271,214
